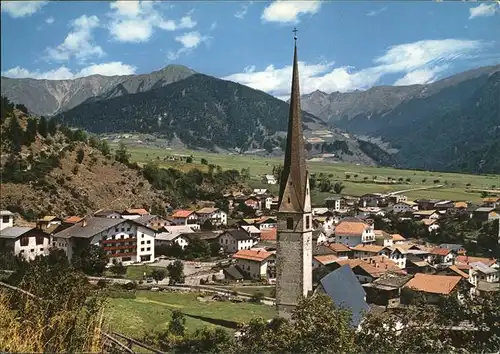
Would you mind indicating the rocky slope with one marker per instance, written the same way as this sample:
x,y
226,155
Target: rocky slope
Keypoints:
x,y
48,97
54,175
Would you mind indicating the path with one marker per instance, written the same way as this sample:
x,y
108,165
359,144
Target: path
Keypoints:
x,y
414,189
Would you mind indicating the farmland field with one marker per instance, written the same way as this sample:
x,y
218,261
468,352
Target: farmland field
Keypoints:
x,y
356,178
151,311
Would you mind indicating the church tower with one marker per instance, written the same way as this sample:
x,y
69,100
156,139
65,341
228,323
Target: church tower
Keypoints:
x,y
294,246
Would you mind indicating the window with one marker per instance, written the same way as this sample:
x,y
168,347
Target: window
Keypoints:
x,y
128,229
41,249
24,241
32,250
289,223
5,219
288,199
148,242
116,229
308,222
142,242
142,249
148,249
126,259
123,229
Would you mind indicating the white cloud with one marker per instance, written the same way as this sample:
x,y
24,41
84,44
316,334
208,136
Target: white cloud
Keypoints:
x,y
242,12
418,62
483,10
286,11
63,73
135,21
377,12
49,20
79,42
18,9
189,41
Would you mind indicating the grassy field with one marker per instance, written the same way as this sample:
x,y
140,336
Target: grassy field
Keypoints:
x,y
456,185
151,311
267,291
136,272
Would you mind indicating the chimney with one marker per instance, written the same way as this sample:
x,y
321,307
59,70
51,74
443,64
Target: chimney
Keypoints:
x,y
84,222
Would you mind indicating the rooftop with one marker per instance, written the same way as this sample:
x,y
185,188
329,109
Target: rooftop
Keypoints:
x,y
351,227
136,211
182,213
268,234
207,210
326,259
238,234
89,227
252,255
434,284
5,213
14,232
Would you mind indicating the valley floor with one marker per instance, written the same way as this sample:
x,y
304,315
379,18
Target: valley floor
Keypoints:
x,y
358,179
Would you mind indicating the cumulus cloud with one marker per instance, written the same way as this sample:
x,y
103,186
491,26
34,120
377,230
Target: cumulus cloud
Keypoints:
x,y
135,21
417,62
483,10
18,9
189,42
64,73
286,11
79,42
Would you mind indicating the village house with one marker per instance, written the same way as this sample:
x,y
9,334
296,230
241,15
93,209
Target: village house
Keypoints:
x,y
415,264
431,224
339,250
123,240
186,217
269,179
323,260
264,222
173,234
256,264
383,238
464,262
134,213
404,207
440,255
426,204
111,214
153,221
233,241
486,214
433,286
335,203
431,214
252,231
459,249
216,216
26,242
491,202
48,222
451,270
372,200
369,269
397,198
319,237
386,290
326,224
6,219
481,272
366,250
352,233
397,239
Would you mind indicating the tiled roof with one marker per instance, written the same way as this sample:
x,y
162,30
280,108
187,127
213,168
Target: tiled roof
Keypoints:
x,y
350,228
207,210
238,234
5,213
368,248
397,237
268,234
252,255
382,234
326,259
93,227
338,247
105,212
137,211
73,219
438,251
434,284
182,213
459,272
374,266
483,268
464,261
48,218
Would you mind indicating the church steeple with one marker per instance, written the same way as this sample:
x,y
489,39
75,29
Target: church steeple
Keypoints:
x,y
293,181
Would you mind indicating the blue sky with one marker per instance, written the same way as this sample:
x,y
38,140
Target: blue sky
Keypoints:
x,y
343,45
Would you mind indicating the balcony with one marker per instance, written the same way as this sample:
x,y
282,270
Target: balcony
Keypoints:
x,y
119,240
114,248
125,254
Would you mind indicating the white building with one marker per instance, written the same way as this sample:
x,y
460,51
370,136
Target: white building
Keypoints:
x,y
269,179
233,241
480,272
174,234
252,231
404,207
216,216
6,219
123,240
352,233
27,242
186,217
256,264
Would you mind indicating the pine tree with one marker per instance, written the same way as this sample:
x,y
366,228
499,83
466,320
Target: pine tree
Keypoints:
x,y
52,127
31,130
43,126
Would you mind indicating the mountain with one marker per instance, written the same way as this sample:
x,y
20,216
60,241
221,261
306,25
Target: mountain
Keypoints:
x,y
356,111
202,112
401,116
48,97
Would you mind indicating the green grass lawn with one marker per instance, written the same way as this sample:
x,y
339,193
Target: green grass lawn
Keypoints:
x,y
151,311
455,188
136,272
267,291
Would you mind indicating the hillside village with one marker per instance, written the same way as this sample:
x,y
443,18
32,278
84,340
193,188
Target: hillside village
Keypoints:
x,y
238,245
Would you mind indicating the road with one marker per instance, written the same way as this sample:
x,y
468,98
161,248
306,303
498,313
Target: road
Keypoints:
x,y
414,189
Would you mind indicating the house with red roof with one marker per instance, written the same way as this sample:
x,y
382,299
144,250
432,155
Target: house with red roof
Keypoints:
x,y
186,217
440,255
354,232
256,263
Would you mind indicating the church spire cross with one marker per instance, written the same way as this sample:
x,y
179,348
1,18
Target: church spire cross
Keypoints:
x,y
295,30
